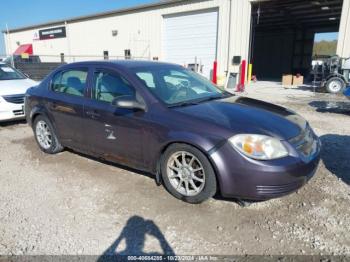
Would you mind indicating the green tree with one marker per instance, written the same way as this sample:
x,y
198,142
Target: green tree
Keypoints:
x,y
325,47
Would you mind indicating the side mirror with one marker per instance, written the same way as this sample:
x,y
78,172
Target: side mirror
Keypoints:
x,y
129,103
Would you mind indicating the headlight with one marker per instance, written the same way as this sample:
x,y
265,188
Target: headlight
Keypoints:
x,y
259,146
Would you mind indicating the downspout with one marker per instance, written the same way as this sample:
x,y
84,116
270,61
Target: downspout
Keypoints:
x,y
229,38
252,36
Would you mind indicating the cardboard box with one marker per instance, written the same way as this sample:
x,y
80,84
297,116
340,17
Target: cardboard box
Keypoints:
x,y
298,80
287,80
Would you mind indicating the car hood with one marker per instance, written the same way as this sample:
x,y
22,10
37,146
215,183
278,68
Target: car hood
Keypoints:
x,y
15,87
250,116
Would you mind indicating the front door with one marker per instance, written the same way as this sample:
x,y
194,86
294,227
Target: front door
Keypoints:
x,y
115,133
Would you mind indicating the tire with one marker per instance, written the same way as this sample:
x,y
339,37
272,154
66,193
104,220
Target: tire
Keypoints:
x,y
44,131
335,85
197,172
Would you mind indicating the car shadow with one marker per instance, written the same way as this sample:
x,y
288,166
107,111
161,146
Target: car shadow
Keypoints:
x,y
335,155
338,107
12,123
217,196
114,164
308,87
134,233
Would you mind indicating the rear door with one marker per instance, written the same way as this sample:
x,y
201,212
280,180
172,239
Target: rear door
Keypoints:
x,y
115,133
66,104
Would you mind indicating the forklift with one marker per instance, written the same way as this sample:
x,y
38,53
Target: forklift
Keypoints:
x,y
331,73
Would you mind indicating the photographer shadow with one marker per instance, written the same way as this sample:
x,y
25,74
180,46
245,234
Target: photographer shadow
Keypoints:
x,y
134,233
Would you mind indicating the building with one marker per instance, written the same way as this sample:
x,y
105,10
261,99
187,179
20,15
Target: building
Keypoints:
x,y
275,35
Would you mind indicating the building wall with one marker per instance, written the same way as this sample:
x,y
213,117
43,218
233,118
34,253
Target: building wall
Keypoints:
x,y
343,49
141,31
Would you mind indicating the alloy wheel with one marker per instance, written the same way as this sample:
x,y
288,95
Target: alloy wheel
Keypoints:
x,y
43,134
186,173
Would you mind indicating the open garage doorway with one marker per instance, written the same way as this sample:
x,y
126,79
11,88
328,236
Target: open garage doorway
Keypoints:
x,y
283,35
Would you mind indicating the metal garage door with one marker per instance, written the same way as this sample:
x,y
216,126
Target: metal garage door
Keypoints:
x,y
186,37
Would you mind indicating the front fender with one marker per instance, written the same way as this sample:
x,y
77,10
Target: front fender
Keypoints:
x,y
205,144
202,143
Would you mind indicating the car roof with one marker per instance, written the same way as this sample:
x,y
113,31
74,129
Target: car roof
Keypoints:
x,y
125,63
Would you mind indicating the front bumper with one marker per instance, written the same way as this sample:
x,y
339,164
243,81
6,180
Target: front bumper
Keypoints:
x,y
10,111
248,179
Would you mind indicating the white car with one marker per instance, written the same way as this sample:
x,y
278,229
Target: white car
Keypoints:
x,y
13,86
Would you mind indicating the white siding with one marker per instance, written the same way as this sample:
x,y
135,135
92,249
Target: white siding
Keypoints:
x,y
141,31
343,49
240,30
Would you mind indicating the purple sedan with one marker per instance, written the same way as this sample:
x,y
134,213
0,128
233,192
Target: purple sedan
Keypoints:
x,y
161,118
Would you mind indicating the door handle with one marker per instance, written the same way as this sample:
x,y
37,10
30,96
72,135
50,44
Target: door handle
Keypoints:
x,y
93,114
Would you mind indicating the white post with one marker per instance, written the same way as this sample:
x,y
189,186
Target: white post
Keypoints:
x,y
9,45
68,42
7,53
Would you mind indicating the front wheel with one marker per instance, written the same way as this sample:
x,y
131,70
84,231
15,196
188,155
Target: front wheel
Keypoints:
x,y
45,135
335,85
187,174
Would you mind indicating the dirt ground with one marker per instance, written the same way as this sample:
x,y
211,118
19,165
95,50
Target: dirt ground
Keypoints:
x,y
72,204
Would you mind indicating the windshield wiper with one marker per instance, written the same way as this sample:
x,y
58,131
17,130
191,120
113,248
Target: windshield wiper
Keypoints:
x,y
198,101
185,103
210,98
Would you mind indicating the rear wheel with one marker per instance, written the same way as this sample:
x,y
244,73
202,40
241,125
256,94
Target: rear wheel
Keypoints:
x,y
335,85
45,135
187,174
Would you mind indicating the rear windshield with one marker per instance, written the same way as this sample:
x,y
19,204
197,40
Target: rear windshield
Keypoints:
x,y
9,73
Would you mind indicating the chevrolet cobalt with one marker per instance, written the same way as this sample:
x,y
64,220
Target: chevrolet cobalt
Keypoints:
x,y
164,119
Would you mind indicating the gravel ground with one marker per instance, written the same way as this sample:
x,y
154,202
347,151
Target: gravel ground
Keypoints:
x,y
73,204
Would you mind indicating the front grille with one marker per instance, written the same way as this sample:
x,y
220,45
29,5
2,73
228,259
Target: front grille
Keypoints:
x,y
305,143
280,189
14,99
18,112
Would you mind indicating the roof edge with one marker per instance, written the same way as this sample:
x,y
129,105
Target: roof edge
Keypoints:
x,y
98,15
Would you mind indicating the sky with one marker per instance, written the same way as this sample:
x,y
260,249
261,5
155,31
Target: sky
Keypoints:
x,y
18,13
326,36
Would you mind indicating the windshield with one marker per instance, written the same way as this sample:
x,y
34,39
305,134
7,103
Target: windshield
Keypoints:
x,y
9,73
175,85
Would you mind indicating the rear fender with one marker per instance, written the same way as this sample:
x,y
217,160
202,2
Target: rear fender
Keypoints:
x,y
39,110
335,75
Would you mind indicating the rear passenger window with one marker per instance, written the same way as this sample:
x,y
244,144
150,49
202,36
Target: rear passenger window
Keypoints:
x,y
70,82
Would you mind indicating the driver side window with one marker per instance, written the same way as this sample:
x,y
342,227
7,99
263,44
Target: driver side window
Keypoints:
x,y
110,85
